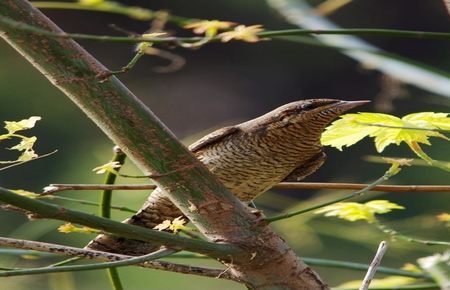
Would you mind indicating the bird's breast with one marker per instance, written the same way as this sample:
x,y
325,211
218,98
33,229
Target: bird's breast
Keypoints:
x,y
251,166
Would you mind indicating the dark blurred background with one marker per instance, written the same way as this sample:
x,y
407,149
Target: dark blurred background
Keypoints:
x,y
223,84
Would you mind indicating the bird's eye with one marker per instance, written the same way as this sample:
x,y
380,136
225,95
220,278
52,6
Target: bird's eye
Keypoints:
x,y
308,106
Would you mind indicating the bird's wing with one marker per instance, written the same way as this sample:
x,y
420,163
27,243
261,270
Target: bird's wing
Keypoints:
x,y
213,137
306,168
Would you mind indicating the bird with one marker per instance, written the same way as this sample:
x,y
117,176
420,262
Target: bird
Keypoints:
x,y
282,145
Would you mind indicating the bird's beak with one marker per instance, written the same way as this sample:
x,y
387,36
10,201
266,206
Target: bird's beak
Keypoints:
x,y
343,106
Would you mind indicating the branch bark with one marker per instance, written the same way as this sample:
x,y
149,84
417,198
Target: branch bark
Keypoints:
x,y
104,256
137,131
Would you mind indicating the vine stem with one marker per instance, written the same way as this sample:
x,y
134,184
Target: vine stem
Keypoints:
x,y
395,235
388,174
105,210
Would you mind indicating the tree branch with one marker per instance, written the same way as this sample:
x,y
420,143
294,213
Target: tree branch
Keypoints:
x,y
53,211
103,256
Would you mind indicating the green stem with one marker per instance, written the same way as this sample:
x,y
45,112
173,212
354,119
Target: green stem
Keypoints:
x,y
394,234
105,211
44,270
106,195
54,211
380,180
331,264
129,66
114,278
87,202
362,267
415,147
276,33
359,31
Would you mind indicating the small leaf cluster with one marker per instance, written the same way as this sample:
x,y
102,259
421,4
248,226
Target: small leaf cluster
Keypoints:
x,y
25,146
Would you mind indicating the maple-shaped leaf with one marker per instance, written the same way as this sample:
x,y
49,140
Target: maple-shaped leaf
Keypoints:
x,y
385,129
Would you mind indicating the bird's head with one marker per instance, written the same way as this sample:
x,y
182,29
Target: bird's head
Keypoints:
x,y
314,114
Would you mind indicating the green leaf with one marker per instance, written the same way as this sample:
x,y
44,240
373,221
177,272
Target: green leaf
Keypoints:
x,y
24,124
353,211
385,129
26,144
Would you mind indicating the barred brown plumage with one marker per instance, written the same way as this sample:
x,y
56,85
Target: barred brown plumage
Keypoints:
x,y
249,158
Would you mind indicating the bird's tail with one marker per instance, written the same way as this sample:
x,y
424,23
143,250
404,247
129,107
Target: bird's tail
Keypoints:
x,y
155,210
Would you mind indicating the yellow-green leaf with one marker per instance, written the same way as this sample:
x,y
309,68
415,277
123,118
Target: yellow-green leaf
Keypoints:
x,y
26,144
13,127
353,211
385,129
108,167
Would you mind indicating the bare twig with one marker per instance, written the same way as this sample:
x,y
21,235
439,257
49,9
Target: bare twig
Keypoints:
x,y
104,256
103,265
389,188
23,162
396,236
374,266
53,188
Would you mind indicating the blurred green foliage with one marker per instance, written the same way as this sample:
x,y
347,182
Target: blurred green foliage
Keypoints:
x,y
224,84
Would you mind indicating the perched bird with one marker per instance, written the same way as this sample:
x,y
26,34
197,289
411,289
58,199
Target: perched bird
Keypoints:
x,y
249,158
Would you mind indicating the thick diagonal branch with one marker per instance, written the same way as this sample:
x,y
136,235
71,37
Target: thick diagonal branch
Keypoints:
x,y
152,147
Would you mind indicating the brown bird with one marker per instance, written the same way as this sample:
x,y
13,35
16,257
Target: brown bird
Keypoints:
x,y
249,158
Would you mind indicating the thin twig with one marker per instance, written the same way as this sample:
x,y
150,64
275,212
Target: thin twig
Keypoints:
x,y
382,248
388,188
104,256
125,262
23,162
332,264
395,235
381,159
53,188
